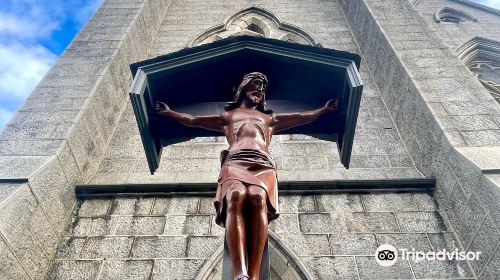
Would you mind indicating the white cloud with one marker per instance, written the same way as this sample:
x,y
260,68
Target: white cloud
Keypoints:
x,y
21,68
21,23
23,60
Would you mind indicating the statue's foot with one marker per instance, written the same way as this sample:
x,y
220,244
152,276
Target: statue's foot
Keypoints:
x,y
242,277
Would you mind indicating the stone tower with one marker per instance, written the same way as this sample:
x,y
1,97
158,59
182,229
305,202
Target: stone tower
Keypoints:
x,y
431,75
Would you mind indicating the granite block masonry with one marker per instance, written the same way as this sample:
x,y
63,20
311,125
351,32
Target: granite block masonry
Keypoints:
x,y
423,114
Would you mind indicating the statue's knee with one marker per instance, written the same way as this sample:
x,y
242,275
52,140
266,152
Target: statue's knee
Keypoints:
x,y
235,197
257,197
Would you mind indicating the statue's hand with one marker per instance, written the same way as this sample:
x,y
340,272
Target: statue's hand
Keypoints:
x,y
161,107
332,105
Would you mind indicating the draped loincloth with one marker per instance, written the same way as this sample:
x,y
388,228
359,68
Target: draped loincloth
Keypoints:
x,y
250,167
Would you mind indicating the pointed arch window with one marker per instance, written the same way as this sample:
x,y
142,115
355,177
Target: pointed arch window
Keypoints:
x,y
482,57
258,22
448,14
255,21
286,265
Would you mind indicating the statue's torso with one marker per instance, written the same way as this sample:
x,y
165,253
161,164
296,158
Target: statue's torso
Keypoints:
x,y
248,129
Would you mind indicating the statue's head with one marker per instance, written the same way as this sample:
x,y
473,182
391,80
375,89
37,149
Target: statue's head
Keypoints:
x,y
252,88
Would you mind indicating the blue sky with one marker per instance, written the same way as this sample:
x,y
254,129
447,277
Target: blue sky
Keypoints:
x,y
33,34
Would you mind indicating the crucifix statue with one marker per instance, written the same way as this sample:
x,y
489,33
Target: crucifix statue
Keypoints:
x,y
247,194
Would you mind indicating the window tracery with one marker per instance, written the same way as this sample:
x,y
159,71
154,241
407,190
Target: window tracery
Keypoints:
x,y
280,254
255,21
448,14
482,57
259,22
488,73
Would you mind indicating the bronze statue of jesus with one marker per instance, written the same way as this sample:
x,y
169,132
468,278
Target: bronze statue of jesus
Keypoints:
x,y
247,193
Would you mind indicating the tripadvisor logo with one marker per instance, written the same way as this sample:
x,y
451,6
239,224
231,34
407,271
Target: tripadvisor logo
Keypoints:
x,y
387,255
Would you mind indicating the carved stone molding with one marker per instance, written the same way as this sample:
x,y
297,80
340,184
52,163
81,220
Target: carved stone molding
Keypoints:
x,y
488,73
415,2
448,14
482,57
255,21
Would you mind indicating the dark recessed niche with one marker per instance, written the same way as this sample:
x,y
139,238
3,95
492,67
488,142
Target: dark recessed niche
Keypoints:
x,y
202,79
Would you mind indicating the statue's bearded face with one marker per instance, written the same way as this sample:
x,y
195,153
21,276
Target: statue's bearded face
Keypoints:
x,y
256,91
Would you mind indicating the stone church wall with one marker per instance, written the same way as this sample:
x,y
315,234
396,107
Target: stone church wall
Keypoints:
x,y
455,34
420,116
60,134
442,113
332,235
378,151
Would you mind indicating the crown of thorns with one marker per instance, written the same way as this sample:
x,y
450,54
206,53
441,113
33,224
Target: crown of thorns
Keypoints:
x,y
254,75
246,79
238,96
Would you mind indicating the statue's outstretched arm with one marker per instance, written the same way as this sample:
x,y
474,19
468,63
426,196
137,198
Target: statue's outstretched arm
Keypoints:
x,y
213,122
288,120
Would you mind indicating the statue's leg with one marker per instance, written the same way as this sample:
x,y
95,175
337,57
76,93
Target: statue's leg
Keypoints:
x,y
256,229
235,226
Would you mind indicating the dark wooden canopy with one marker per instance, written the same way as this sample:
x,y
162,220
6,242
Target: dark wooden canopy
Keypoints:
x,y
202,79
